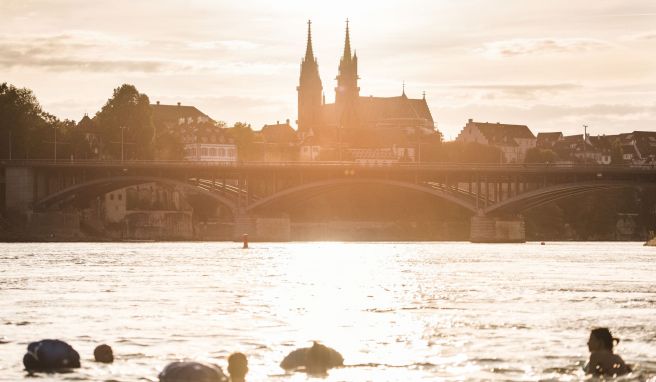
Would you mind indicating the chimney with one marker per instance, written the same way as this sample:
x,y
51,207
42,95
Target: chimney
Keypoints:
x,y
287,121
470,120
178,103
277,122
157,103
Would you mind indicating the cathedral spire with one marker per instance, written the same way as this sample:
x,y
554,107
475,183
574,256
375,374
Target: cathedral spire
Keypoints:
x,y
309,88
347,42
309,54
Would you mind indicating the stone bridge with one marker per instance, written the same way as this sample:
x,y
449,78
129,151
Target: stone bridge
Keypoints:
x,y
495,195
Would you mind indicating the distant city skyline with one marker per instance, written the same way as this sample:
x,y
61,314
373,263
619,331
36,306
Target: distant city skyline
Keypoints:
x,y
552,66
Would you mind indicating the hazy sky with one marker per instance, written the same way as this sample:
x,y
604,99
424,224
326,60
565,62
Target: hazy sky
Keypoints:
x,y
553,65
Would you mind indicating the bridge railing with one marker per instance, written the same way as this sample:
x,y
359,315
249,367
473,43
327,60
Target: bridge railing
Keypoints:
x,y
324,164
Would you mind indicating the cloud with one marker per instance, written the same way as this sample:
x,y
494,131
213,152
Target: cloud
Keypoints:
x,y
233,45
95,52
80,51
540,46
523,91
651,35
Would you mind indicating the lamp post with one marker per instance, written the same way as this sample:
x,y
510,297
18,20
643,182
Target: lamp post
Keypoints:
x,y
122,129
585,155
9,144
55,128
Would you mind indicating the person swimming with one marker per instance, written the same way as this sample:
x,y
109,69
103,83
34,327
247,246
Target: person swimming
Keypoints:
x,y
103,353
50,356
316,360
603,362
237,367
192,371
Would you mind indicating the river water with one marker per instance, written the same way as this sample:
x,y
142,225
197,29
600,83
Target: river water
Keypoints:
x,y
396,311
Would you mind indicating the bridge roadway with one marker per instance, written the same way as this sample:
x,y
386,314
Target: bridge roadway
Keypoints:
x,y
490,192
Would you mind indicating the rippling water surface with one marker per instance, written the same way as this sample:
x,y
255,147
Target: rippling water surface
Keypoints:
x,y
396,311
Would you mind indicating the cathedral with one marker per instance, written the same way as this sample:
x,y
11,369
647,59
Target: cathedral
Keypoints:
x,y
354,117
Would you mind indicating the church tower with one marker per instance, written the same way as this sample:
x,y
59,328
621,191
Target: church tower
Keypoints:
x,y
309,89
347,90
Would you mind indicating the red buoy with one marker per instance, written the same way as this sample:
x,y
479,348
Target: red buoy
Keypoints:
x,y
245,239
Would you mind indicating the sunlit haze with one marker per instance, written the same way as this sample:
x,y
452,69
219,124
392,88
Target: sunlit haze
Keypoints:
x,y
551,65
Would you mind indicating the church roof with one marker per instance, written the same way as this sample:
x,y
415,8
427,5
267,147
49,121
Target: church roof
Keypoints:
x,y
401,107
373,109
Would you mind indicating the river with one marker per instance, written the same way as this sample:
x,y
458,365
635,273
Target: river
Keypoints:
x,y
396,311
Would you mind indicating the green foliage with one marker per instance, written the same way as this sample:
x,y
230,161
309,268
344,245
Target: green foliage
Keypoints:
x,y
169,146
546,223
467,152
23,120
130,110
538,155
245,139
593,216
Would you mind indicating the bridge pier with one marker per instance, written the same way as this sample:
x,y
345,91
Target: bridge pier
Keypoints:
x,y
19,190
487,229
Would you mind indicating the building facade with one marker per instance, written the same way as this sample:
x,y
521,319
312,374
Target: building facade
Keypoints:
x,y
512,140
202,138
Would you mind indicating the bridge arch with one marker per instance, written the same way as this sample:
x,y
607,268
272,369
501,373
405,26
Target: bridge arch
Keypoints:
x,y
531,199
104,185
321,187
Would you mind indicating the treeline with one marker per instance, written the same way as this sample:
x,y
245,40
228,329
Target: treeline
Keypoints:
x,y
623,214
27,131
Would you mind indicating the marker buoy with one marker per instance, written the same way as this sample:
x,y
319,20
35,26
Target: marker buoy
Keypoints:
x,y
542,243
245,239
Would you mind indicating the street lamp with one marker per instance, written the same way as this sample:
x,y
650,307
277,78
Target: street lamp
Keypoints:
x,y
122,129
585,155
9,144
55,128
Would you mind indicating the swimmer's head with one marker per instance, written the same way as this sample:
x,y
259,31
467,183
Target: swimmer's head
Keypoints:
x,y
103,353
317,359
601,339
237,366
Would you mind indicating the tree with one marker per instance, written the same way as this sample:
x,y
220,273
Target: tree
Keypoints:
x,y
538,155
23,124
469,152
130,111
169,146
244,139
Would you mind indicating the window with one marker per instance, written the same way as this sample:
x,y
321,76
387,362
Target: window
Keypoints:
x,y
111,196
204,151
120,196
222,152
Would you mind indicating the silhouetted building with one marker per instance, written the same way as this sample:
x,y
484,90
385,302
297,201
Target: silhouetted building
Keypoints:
x,y
278,143
335,122
513,140
92,136
548,140
202,138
